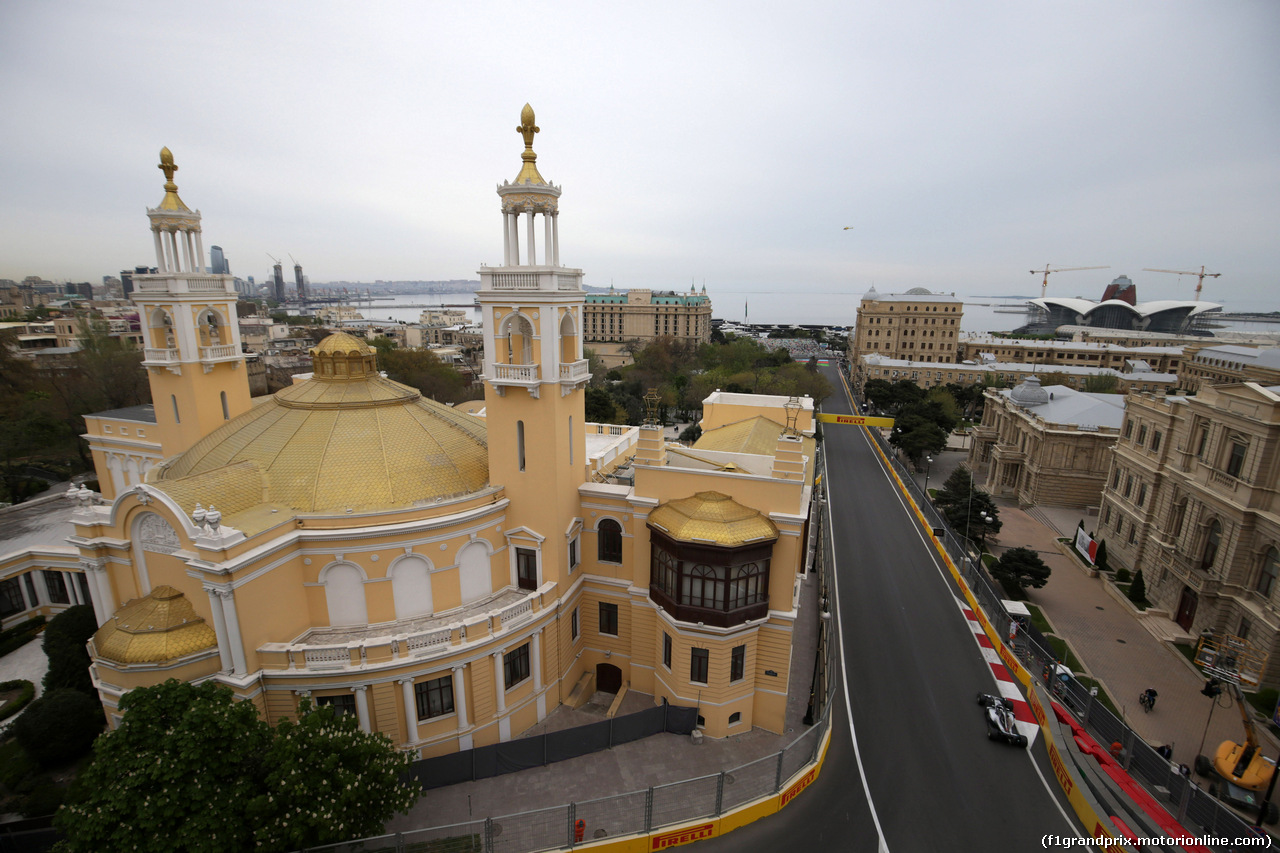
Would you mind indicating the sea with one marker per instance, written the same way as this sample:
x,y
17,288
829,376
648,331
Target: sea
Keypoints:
x,y
982,314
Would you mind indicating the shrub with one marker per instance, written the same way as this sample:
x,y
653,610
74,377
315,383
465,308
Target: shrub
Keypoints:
x,y
16,704
64,645
1123,575
59,726
1138,589
19,635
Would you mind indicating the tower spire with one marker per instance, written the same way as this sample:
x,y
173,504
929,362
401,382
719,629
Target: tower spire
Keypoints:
x,y
170,200
529,171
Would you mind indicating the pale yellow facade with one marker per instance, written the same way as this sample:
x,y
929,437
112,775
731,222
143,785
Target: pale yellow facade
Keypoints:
x,y
643,315
916,325
451,579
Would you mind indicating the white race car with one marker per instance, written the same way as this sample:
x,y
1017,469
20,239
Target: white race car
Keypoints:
x,y
1001,724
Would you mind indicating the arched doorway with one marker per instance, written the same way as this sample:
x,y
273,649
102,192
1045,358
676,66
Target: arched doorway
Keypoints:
x,y
1186,609
608,678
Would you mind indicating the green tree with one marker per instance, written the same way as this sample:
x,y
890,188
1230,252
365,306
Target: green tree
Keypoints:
x,y
423,370
1138,589
599,406
1104,383
1020,568
1100,556
59,726
64,645
956,489
192,763
969,517
382,344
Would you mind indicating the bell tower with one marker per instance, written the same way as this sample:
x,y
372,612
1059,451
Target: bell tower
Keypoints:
x,y
191,335
534,371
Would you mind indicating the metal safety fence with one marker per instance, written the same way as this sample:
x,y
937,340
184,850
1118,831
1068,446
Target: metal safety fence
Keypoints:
x,y
1168,783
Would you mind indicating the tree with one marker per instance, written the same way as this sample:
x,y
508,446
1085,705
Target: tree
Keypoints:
x,y
1138,589
599,406
192,763
382,344
423,370
1100,556
1103,383
969,517
956,489
1020,568
64,646
59,726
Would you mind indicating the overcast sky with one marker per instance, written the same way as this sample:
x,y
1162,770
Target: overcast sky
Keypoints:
x,y
964,142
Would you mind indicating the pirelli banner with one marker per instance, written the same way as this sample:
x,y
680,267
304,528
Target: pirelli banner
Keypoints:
x,y
855,420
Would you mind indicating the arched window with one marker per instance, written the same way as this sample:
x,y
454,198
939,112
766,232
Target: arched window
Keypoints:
x,y
1269,572
411,587
568,339
475,577
519,334
609,541
1213,539
344,595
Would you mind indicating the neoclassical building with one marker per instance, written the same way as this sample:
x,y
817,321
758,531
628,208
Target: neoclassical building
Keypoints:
x,y
447,579
918,326
1191,501
643,315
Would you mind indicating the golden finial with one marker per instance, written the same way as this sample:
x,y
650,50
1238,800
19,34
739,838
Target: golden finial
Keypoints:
x,y
529,172
171,200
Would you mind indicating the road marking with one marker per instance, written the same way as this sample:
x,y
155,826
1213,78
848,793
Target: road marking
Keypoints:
x,y
881,845
1052,791
1026,722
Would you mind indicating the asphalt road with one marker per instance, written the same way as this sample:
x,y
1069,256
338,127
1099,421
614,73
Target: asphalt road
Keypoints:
x,y
912,670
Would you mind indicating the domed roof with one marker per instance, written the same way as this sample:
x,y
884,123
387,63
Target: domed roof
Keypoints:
x,y
919,291
712,518
1029,393
345,439
160,626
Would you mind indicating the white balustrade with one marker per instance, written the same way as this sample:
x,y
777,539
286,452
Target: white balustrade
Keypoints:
x,y
575,370
223,351
516,372
157,354
429,641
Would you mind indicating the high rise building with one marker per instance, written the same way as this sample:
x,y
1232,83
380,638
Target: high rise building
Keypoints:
x,y
277,281
218,262
299,282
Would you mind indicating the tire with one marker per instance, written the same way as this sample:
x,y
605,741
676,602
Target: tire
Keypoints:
x,y
982,699
991,735
1213,790
1022,741
1203,766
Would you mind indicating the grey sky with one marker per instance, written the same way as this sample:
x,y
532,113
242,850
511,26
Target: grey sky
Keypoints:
x,y
732,142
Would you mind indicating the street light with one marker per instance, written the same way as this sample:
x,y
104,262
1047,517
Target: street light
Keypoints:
x,y
928,467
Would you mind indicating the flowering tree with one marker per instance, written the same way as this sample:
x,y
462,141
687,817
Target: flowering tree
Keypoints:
x,y
191,768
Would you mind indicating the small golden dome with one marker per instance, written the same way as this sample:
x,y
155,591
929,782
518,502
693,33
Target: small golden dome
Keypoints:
x,y
342,357
161,626
712,517
341,342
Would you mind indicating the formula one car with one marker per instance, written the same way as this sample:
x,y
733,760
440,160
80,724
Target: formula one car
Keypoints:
x,y
1001,724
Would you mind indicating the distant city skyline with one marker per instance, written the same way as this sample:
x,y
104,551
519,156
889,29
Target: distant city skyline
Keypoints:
x,y
960,146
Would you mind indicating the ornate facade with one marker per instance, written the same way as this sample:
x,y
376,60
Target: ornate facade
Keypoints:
x,y
642,315
448,579
1191,501
917,325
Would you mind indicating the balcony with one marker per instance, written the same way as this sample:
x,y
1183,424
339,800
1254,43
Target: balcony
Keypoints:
x,y
517,374
218,353
155,355
184,283
575,371
408,641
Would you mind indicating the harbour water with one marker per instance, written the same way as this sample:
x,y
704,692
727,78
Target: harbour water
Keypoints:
x,y
982,314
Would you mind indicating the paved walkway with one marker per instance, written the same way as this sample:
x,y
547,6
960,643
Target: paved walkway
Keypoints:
x,y
1111,642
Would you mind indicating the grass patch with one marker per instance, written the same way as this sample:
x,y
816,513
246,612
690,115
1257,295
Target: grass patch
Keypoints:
x,y
1188,651
1064,654
1039,620
1102,694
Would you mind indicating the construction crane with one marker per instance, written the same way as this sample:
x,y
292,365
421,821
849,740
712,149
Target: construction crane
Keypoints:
x,y
1044,285
1201,276
273,258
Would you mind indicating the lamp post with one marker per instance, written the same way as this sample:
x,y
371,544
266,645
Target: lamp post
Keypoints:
x,y
928,467
987,521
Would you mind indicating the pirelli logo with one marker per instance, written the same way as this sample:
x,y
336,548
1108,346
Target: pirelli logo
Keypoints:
x,y
681,836
791,793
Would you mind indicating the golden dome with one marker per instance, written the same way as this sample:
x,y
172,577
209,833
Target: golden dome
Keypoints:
x,y
715,518
161,626
346,439
529,171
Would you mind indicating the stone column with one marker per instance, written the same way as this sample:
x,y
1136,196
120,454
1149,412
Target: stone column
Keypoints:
x,y
533,252
460,695
42,590
499,683
362,706
228,597
199,237
506,239
69,583
220,629
104,604
555,234
547,256
535,660
410,711
515,237
27,603
155,232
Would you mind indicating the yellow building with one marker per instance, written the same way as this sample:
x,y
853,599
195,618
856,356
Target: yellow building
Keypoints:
x,y
642,315
448,579
916,325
